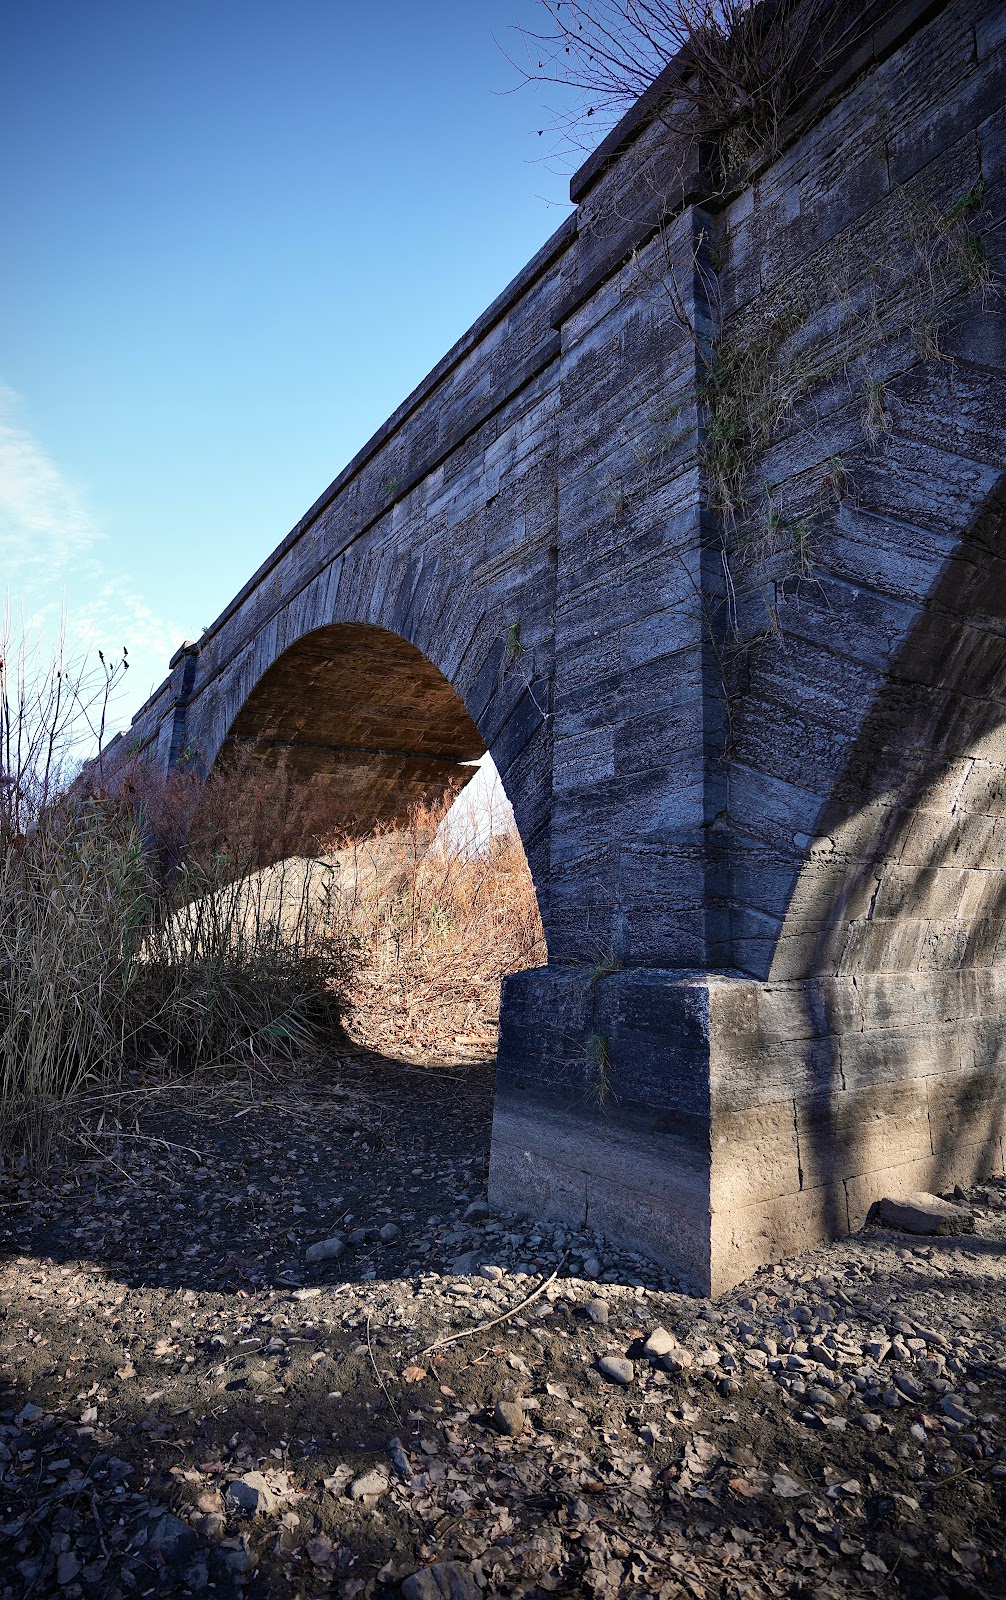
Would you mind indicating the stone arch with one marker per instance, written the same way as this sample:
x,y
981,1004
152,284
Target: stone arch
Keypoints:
x,y
380,622
366,719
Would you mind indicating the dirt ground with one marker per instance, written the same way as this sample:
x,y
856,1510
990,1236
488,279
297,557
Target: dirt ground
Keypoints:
x,y
188,1406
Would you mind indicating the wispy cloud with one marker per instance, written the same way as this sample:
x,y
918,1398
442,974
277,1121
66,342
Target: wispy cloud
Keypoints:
x,y
43,518
53,559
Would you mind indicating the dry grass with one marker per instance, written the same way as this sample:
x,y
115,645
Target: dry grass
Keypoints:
x,y
159,929
744,65
133,940
436,916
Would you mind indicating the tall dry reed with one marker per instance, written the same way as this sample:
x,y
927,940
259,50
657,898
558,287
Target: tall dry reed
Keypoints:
x,y
152,925
136,933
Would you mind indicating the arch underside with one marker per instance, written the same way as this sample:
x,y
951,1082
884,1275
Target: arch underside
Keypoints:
x,y
367,720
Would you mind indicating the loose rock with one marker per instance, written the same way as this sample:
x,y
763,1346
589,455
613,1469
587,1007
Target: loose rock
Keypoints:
x,y
660,1343
369,1485
251,1493
447,1580
925,1213
326,1250
618,1369
508,1419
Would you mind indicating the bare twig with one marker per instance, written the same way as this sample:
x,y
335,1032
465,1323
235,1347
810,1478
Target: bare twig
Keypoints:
x,y
377,1375
483,1327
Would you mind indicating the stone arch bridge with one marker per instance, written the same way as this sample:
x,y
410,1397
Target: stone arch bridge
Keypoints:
x,y
701,531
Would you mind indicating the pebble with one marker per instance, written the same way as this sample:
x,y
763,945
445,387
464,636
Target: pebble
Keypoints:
x,y
390,1231
445,1580
477,1210
677,1360
400,1460
618,1369
952,1406
369,1485
468,1265
597,1311
508,1418
251,1493
870,1421
908,1386
326,1250
660,1343
591,1267
241,1561
492,1274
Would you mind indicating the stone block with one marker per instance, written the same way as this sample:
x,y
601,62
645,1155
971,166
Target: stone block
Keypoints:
x,y
745,1238
851,1131
755,1155
924,1213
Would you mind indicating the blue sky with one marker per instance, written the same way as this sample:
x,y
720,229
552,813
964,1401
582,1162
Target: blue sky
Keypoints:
x,y
235,236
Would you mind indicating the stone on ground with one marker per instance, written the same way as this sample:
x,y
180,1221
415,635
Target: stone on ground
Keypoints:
x,y
369,1485
251,1493
618,1369
326,1250
660,1343
924,1213
447,1580
508,1418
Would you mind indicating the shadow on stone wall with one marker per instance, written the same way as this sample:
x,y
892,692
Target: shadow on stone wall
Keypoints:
x,y
895,941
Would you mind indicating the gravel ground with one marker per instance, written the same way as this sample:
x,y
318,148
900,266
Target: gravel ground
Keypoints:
x,y
188,1406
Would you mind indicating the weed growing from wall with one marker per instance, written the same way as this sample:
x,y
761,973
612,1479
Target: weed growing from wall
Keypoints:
x,y
598,1069
737,68
757,368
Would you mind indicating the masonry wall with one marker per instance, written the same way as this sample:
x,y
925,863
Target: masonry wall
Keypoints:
x,y
752,730
843,682
866,775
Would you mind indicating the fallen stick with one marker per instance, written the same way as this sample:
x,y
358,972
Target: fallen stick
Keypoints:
x,y
377,1375
482,1327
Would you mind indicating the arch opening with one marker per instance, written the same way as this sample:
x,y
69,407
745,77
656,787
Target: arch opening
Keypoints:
x,y
364,718
370,750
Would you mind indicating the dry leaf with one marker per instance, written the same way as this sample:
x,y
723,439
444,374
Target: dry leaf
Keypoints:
x,y
787,1488
744,1487
872,1563
414,1374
